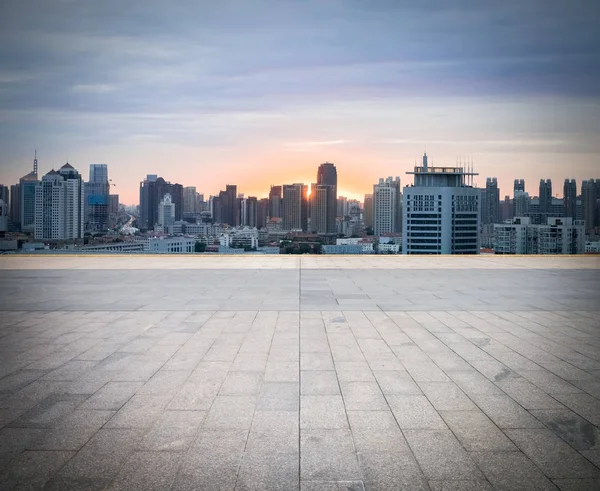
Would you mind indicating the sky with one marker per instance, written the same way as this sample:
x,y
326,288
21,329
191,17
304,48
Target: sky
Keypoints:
x,y
260,92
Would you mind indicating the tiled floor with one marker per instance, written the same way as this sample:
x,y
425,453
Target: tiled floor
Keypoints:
x,y
310,373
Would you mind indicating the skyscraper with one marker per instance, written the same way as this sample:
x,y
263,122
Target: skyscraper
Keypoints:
x,y
97,191
590,194
15,206
386,197
152,191
324,200
249,211
5,194
262,211
59,205
368,211
295,207
570,199
228,202
26,193
275,202
545,197
491,212
519,185
189,199
166,213
441,212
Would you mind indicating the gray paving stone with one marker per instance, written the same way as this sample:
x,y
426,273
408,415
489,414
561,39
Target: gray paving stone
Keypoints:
x,y
527,394
324,412
394,382
576,431
319,382
268,471
112,396
552,455
512,471
476,432
146,471
415,412
328,455
376,431
577,484
279,396
505,412
174,431
441,456
241,383
32,469
392,472
446,396
363,396
231,412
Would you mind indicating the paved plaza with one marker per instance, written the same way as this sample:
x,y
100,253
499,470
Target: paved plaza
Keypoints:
x,y
309,373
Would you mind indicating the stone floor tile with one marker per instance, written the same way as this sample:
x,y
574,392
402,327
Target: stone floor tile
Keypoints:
x,y
279,396
241,383
446,396
231,412
394,382
415,412
577,484
512,471
174,431
376,432
363,396
147,471
324,412
476,432
319,382
552,455
112,396
441,456
391,472
328,455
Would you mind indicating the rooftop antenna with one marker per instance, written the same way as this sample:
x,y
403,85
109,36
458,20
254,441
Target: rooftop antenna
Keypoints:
x,y
35,163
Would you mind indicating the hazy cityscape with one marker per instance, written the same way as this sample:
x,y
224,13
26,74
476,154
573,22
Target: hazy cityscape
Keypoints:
x,y
283,245
440,212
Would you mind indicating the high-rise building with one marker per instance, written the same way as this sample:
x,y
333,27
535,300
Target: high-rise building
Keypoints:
x,y
189,199
3,215
166,213
275,202
262,212
342,206
15,206
113,207
5,194
491,210
570,199
27,185
506,208
386,207
229,206
440,212
368,211
590,196
545,198
249,211
97,192
152,191
557,236
295,207
519,186
323,196
59,205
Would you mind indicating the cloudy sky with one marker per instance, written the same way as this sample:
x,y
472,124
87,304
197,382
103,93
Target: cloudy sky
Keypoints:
x,y
260,92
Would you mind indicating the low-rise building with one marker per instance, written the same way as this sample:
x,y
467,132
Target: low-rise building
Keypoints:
x,y
171,245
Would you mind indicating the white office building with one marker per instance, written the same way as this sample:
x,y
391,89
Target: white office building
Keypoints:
x,y
441,212
166,214
171,245
386,206
558,236
59,205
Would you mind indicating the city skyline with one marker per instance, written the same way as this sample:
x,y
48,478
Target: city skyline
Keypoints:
x,y
260,93
505,187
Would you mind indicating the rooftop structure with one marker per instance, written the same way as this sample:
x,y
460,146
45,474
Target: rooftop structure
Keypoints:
x,y
299,372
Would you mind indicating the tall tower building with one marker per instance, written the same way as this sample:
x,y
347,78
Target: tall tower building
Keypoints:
x,y
27,186
152,191
491,212
15,206
545,197
97,192
262,211
324,200
570,199
275,202
249,211
386,199
59,205
440,212
518,186
189,199
368,211
166,213
590,196
295,207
